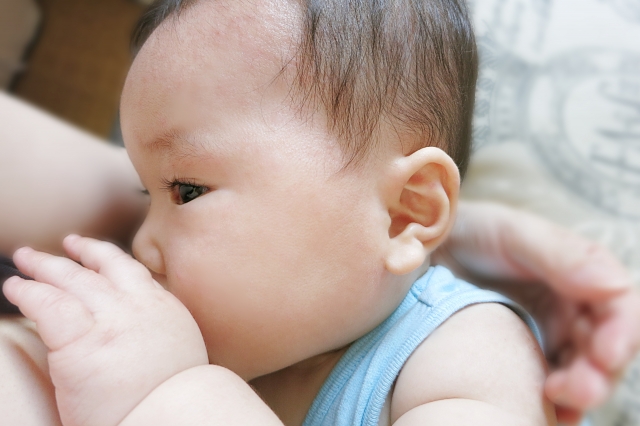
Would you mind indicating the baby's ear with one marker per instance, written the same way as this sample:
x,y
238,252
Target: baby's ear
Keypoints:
x,y
422,201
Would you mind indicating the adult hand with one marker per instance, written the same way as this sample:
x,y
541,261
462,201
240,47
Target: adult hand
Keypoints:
x,y
582,297
113,333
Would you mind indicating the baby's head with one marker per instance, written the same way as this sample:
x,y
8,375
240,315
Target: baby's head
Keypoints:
x,y
292,153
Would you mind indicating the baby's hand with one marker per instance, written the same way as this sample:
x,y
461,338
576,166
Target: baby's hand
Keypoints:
x,y
113,333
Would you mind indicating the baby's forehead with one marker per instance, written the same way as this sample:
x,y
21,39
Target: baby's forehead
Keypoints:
x,y
229,52
261,35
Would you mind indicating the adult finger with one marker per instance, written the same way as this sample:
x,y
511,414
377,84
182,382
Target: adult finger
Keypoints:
x,y
60,317
572,265
108,260
616,337
568,416
580,385
494,241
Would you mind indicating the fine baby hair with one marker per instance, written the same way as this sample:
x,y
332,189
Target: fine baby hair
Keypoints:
x,y
407,64
302,161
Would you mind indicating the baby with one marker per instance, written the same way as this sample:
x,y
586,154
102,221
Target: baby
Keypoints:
x,y
302,160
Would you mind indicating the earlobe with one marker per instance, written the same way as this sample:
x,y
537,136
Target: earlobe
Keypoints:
x,y
406,252
422,207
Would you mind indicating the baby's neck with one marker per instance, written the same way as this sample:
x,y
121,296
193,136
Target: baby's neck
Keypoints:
x,y
291,391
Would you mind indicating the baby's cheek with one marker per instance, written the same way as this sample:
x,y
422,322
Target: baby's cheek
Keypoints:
x,y
199,283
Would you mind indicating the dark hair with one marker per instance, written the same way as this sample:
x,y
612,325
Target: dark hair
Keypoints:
x,y
412,63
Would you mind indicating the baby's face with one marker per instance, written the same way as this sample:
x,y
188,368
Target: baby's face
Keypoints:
x,y
276,252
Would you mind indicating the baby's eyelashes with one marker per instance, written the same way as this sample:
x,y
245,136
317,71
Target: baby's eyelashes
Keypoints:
x,y
184,190
181,192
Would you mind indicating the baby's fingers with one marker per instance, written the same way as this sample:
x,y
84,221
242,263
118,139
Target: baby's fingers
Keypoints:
x,y
108,260
62,273
60,317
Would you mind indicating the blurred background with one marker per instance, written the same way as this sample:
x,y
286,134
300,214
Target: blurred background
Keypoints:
x,y
557,118
69,57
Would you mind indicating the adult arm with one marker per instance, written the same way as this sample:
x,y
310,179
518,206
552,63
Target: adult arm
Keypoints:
x,y
59,180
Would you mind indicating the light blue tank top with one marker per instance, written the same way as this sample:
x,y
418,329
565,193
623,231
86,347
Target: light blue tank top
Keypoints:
x,y
358,386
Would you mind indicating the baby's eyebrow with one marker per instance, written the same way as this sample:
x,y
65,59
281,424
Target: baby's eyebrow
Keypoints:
x,y
176,143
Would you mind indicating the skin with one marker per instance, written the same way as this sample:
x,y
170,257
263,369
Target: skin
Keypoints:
x,y
78,183
268,190
586,306
499,238
252,154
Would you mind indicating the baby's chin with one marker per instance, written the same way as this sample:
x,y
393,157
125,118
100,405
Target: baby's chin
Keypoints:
x,y
251,355
255,365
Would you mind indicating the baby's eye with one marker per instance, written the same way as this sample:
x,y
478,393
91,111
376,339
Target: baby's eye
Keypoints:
x,y
186,192
183,190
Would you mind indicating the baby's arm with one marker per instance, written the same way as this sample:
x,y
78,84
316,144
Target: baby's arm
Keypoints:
x,y
481,367
122,350
205,395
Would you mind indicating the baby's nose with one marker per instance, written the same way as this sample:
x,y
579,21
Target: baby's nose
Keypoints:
x,y
146,250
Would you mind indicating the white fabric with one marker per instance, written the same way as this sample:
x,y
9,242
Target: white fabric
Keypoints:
x,y
557,127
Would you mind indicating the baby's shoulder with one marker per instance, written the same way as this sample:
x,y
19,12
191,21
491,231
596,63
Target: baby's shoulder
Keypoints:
x,y
483,353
